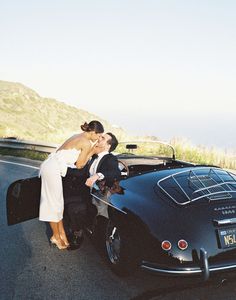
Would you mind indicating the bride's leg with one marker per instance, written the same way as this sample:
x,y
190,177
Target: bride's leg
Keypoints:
x,y
62,233
56,237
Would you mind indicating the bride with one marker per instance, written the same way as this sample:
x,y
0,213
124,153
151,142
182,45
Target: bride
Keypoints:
x,y
76,150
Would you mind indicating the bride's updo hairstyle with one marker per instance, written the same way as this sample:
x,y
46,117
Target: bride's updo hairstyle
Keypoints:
x,y
92,126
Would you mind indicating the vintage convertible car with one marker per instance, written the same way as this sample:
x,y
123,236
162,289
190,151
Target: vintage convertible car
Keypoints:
x,y
165,215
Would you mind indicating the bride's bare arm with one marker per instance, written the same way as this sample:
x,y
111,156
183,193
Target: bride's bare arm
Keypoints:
x,y
84,156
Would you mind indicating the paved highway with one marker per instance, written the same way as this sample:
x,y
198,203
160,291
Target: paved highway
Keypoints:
x,y
31,269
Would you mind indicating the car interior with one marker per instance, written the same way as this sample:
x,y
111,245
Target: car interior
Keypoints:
x,y
131,166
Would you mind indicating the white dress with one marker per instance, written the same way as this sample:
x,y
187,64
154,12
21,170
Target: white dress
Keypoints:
x,y
51,170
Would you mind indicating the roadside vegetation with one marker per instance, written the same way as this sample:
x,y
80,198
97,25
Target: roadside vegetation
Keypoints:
x,y
183,151
204,155
187,152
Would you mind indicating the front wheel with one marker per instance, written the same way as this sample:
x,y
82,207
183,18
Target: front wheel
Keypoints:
x,y
120,250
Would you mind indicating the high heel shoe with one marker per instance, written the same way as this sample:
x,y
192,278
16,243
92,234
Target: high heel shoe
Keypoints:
x,y
64,239
57,243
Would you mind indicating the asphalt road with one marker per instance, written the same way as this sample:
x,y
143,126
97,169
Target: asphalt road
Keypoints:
x,y
31,269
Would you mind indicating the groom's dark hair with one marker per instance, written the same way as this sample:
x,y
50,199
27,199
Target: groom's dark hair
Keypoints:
x,y
112,141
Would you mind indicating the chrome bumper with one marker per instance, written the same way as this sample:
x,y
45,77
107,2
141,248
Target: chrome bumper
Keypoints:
x,y
204,270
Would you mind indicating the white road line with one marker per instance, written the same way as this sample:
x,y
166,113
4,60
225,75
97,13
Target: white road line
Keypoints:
x,y
13,163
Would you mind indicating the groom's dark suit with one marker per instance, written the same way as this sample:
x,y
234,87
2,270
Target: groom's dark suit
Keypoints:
x,y
108,166
77,200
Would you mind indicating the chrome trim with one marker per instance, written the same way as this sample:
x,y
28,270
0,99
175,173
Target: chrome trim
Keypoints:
x,y
182,240
225,221
107,203
205,190
205,264
167,242
183,271
169,271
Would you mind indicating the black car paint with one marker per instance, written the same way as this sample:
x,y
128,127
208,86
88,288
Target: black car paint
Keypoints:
x,y
160,219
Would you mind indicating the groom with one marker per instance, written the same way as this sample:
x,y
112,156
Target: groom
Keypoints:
x,y
78,207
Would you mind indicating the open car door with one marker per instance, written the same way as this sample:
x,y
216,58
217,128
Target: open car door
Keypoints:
x,y
23,198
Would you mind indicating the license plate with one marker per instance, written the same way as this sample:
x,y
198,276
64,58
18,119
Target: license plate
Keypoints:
x,y
227,237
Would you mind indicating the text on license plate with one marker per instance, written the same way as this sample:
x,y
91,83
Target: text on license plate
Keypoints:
x,y
227,237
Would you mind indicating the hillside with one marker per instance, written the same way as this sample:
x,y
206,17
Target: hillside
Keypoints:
x,y
26,115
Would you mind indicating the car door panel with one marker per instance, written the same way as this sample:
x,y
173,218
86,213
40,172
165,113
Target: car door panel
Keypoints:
x,y
23,198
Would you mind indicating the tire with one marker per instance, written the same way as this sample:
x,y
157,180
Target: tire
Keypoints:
x,y
120,250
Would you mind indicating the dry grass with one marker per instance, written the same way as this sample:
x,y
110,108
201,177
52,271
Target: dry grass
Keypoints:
x,y
204,155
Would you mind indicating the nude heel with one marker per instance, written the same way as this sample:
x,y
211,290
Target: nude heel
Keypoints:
x,y
64,239
57,243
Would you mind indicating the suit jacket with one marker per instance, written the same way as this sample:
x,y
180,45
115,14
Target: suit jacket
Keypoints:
x,y
74,181
108,166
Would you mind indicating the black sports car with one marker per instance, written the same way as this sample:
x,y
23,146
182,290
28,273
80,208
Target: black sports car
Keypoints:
x,y
164,215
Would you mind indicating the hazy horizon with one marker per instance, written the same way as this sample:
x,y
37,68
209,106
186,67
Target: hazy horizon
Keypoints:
x,y
164,68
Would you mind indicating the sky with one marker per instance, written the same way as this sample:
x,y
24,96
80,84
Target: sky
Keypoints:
x,y
153,67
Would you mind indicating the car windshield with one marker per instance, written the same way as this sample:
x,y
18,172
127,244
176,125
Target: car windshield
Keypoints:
x,y
146,149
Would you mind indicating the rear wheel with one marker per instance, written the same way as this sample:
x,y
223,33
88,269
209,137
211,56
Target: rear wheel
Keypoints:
x,y
120,250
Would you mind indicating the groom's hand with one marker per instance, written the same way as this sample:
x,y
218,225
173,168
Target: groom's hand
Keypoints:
x,y
91,180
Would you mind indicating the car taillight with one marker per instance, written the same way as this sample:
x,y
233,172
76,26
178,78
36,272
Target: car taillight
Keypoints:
x,y
182,244
166,245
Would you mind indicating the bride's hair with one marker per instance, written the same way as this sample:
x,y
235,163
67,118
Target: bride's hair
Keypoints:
x,y
93,126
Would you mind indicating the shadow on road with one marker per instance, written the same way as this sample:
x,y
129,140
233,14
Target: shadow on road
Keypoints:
x,y
219,287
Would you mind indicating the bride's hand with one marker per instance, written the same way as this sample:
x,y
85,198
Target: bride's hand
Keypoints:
x,y
95,143
93,148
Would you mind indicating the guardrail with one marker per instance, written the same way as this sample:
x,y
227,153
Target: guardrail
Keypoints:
x,y
38,146
27,145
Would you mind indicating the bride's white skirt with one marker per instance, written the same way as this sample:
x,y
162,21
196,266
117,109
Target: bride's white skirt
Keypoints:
x,y
51,201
